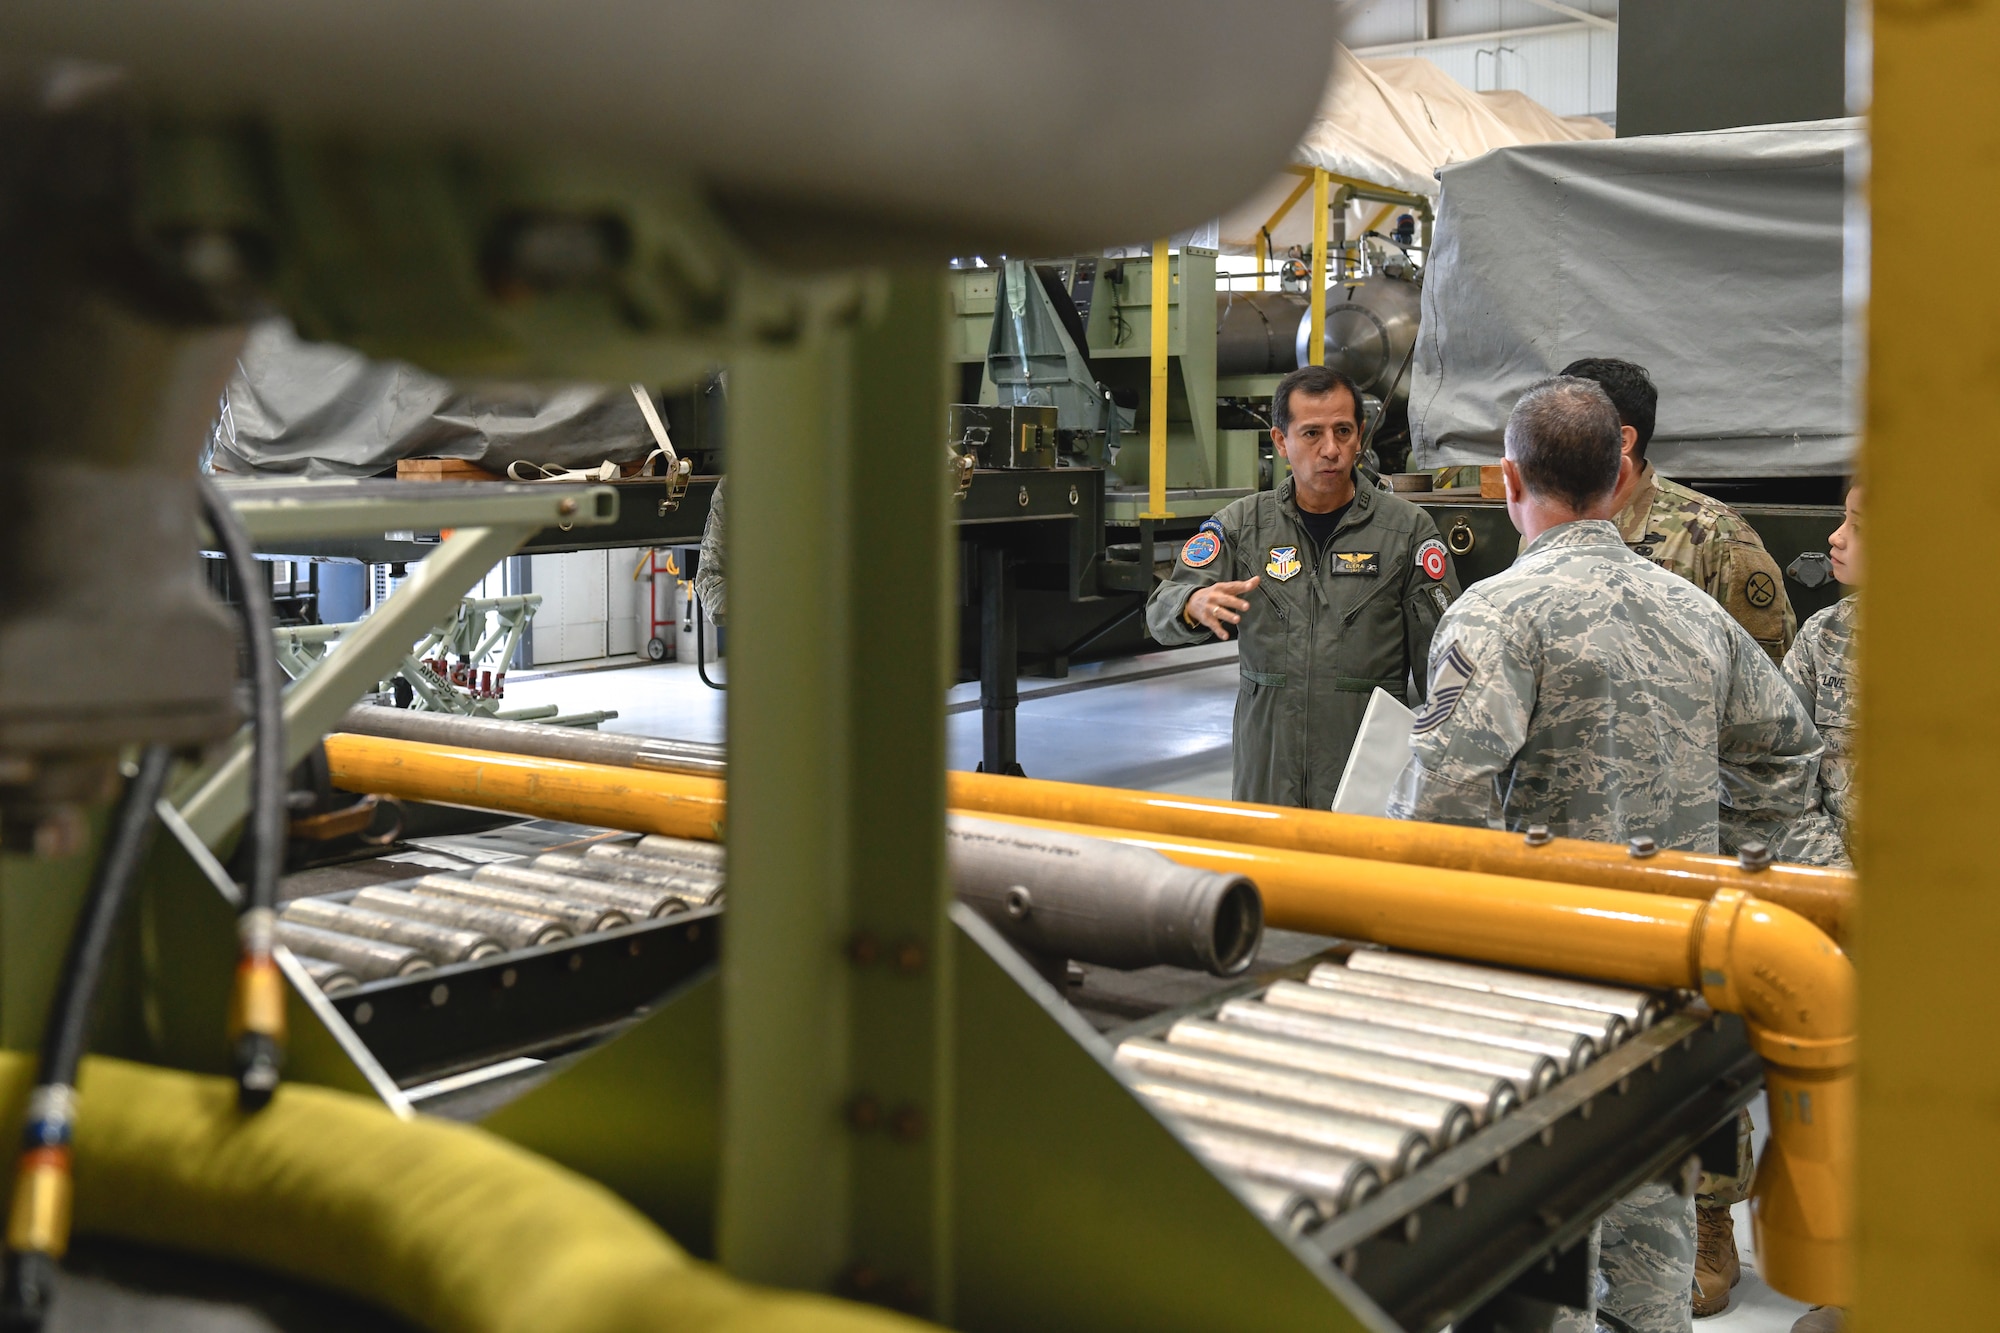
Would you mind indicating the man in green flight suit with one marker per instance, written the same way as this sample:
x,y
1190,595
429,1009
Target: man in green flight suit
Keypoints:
x,y
1332,590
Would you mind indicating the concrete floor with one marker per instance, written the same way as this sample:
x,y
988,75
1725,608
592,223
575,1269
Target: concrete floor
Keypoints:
x,y
1140,730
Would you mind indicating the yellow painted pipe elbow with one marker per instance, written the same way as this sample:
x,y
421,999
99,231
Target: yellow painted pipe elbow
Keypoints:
x,y
1796,992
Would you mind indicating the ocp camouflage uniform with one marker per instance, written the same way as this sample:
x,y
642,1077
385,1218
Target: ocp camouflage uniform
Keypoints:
x,y
1590,690
1708,543
1326,627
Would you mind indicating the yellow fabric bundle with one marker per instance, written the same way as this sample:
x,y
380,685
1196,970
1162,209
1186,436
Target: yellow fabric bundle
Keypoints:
x,y
450,1227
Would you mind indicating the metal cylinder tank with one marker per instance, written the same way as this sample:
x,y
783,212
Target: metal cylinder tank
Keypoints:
x,y
1371,325
1257,333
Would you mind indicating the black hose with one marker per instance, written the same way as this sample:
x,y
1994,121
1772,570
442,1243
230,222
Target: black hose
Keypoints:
x,y
39,1232
257,1015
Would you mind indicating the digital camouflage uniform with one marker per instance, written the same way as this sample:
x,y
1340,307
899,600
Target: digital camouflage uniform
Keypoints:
x,y
1708,543
1590,690
1820,667
708,580
1325,627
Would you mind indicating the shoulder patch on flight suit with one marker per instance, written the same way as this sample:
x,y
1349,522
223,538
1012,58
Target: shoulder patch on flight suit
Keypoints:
x,y
1201,549
1356,562
1439,597
1284,563
1431,559
1448,681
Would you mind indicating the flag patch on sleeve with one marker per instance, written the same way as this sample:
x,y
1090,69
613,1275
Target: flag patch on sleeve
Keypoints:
x,y
1449,678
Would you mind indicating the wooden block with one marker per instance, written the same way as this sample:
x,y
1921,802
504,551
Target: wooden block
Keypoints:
x,y
442,469
1492,486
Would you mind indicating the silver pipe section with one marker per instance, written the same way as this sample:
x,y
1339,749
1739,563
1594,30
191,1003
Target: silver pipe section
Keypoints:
x,y
511,928
1441,1121
708,861
1281,1205
1061,895
370,960
700,887
1530,1074
329,976
631,899
440,944
1604,1030
1486,1097
577,746
1393,1150
1638,1008
1340,1180
675,849
579,918
1571,1050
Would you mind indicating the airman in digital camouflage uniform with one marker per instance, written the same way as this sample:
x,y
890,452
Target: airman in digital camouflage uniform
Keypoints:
x,y
1699,538
1332,590
1589,690
1708,544
1820,668
709,583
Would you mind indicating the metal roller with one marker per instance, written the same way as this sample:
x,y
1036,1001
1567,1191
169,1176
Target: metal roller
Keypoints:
x,y
692,849
1486,1097
577,746
441,944
700,887
329,976
512,929
1441,1121
1340,1180
368,960
1393,1150
1604,1030
1281,1204
1530,1074
1638,1008
634,900
1061,895
1571,1050
580,918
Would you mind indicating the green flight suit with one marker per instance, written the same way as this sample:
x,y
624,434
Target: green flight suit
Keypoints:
x,y
1325,627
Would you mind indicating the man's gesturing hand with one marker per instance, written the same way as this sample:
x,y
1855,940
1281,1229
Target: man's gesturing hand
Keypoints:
x,y
1220,605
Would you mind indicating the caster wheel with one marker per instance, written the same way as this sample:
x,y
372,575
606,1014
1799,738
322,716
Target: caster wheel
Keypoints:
x,y
656,649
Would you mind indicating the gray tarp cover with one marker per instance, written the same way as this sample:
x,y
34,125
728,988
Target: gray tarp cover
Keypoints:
x,y
1712,259
319,410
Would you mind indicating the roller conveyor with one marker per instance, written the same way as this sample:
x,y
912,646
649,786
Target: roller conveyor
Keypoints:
x,y
1491,1211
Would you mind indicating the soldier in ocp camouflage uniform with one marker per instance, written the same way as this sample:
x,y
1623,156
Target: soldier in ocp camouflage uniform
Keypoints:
x,y
1589,690
1680,529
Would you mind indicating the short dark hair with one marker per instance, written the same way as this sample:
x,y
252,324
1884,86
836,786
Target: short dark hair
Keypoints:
x,y
1563,435
1631,391
1312,380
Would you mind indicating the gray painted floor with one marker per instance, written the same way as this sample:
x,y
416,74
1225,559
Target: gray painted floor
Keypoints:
x,y
1157,733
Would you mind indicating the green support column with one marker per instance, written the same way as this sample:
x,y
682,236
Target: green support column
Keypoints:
x,y
836,971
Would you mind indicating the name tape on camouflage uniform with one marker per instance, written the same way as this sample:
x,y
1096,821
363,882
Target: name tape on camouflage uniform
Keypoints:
x,y
1431,559
1448,681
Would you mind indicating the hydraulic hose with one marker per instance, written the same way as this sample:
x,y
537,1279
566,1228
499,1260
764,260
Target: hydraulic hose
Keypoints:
x,y
257,1006
39,1222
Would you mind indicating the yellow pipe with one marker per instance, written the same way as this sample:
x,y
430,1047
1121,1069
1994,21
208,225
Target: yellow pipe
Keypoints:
x,y
1824,897
636,799
1316,293
1156,472
1792,985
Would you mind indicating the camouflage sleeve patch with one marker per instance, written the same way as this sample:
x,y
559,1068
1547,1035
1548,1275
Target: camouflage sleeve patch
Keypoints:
x,y
1449,677
1752,589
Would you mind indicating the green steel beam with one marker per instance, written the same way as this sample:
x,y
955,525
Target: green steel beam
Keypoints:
x,y
836,975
